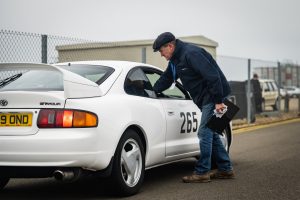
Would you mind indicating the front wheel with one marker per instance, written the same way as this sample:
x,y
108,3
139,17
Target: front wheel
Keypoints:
x,y
263,106
3,182
276,105
129,164
226,139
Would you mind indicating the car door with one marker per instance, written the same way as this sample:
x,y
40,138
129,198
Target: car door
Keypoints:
x,y
182,118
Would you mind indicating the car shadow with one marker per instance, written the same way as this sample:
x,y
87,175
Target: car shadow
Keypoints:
x,y
90,188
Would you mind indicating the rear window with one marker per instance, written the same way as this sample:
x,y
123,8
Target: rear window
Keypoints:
x,y
31,80
97,74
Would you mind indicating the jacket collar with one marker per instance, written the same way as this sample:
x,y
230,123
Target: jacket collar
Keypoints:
x,y
177,51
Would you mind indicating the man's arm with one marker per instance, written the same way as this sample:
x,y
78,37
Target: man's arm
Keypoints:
x,y
164,82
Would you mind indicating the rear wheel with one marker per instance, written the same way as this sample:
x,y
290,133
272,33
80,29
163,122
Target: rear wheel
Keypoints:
x,y
263,106
3,182
276,105
129,164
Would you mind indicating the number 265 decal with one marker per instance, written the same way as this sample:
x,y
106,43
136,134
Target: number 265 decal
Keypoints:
x,y
189,123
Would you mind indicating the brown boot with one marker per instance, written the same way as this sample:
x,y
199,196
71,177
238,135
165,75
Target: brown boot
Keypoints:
x,y
223,175
212,173
196,178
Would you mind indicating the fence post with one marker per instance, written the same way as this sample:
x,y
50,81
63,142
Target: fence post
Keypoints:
x,y
249,93
144,55
279,86
44,48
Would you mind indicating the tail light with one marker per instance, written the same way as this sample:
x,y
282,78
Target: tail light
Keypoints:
x,y
62,118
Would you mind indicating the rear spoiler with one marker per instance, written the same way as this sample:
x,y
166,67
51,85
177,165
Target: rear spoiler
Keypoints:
x,y
75,86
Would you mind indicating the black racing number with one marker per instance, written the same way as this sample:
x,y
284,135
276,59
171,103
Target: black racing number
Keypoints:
x,y
190,124
195,121
182,126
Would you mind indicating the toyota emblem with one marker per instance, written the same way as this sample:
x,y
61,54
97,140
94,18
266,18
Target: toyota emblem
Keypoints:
x,y
3,102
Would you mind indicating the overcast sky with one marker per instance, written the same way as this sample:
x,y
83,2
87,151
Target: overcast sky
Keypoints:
x,y
260,29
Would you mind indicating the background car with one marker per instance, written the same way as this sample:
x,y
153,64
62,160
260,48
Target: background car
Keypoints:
x,y
283,92
269,94
292,91
100,118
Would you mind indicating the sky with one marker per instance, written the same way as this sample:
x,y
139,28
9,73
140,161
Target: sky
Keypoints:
x,y
258,29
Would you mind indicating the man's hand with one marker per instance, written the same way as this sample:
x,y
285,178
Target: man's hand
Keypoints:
x,y
220,107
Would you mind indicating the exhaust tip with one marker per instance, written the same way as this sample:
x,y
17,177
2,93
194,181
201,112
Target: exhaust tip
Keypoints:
x,y
58,175
67,174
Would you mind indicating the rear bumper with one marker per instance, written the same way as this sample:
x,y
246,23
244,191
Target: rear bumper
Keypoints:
x,y
61,148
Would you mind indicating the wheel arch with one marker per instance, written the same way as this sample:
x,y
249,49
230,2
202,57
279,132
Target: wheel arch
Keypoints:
x,y
141,134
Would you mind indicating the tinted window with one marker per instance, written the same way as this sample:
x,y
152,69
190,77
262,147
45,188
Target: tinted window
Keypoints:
x,y
266,87
136,83
270,86
274,86
32,80
97,74
175,93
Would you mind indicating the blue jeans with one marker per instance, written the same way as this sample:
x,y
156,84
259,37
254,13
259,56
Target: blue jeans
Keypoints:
x,y
210,145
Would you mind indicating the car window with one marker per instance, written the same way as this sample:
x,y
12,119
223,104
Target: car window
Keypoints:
x,y
266,87
32,80
95,73
271,87
136,83
275,86
175,93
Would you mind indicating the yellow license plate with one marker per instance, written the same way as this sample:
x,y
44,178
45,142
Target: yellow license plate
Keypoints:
x,y
15,119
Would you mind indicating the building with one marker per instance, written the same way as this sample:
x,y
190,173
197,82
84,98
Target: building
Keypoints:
x,y
138,51
290,74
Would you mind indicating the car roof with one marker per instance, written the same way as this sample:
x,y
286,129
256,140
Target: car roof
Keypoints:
x,y
117,64
266,80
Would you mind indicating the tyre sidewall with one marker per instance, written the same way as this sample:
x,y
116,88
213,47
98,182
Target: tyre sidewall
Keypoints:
x,y
118,181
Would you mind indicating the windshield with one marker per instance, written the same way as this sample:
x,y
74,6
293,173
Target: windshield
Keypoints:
x,y
31,80
97,74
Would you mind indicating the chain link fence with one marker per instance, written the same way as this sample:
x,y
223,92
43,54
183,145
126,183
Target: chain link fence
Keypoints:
x,y
30,47
271,97
274,77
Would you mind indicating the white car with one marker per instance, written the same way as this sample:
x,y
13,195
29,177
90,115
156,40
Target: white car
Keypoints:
x,y
99,118
270,96
292,91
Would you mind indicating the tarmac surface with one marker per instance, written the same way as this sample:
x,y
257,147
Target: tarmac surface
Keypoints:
x,y
266,162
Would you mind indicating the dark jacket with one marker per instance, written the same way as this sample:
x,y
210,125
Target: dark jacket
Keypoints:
x,y
198,72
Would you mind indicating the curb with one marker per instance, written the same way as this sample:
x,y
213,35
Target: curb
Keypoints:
x,y
264,119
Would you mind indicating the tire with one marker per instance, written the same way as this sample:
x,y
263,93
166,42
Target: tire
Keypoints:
x,y
276,105
129,164
263,106
3,182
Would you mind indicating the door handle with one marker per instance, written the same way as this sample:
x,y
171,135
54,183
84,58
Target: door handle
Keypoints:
x,y
171,113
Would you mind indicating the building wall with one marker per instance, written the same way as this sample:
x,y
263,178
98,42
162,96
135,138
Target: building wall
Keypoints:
x,y
117,52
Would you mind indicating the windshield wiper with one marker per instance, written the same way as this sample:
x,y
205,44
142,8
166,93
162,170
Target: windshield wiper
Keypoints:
x,y
10,79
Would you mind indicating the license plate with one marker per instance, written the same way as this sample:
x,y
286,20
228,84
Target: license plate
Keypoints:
x,y
15,119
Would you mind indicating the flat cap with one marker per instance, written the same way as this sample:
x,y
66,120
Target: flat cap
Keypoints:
x,y
162,39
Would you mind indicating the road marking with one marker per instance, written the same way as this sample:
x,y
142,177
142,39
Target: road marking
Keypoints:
x,y
271,124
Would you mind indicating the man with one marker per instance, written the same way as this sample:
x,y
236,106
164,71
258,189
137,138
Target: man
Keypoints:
x,y
208,87
257,91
